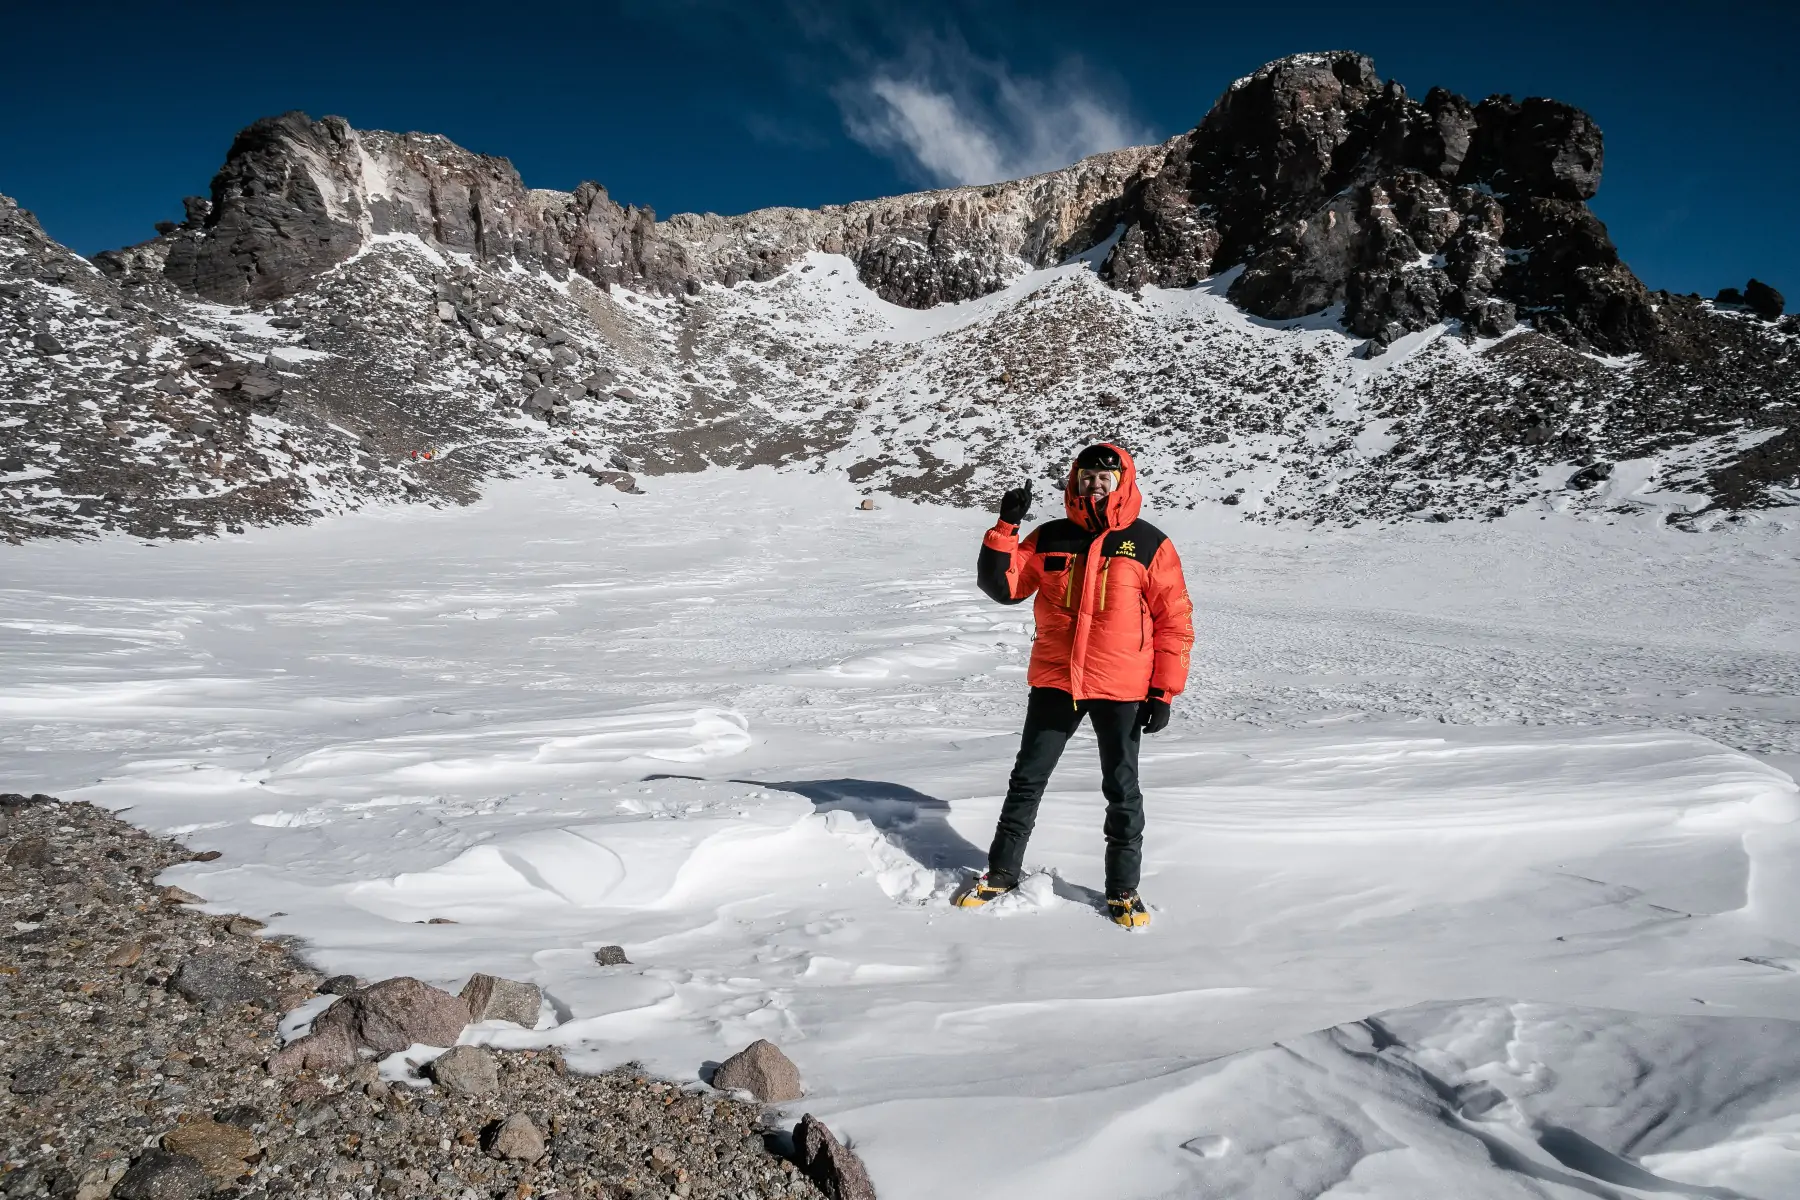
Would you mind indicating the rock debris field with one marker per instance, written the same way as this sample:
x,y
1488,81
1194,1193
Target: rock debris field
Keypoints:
x,y
145,1061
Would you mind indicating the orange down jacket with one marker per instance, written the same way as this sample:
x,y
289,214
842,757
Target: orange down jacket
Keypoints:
x,y
1113,615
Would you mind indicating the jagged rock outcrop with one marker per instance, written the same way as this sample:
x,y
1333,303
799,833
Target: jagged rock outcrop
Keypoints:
x,y
134,410
379,342
1758,297
1326,184
297,196
1331,187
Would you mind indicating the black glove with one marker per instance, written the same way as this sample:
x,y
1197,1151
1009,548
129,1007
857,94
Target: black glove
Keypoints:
x,y
1015,504
1153,712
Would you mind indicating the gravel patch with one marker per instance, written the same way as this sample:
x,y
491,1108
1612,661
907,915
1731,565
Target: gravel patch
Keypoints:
x,y
141,1029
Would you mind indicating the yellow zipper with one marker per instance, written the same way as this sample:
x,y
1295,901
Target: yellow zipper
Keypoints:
x,y
1105,566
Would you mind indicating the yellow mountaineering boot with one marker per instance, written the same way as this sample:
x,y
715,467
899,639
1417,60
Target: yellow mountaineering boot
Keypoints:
x,y
979,891
1127,909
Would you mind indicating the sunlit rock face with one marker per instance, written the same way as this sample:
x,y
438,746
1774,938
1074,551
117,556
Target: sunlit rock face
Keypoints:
x,y
1326,302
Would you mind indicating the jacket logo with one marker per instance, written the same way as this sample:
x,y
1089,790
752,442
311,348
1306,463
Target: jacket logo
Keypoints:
x,y
1126,550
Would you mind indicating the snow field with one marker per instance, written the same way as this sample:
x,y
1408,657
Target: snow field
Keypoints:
x,y
1452,896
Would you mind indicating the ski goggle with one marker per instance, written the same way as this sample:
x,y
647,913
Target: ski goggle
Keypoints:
x,y
1099,458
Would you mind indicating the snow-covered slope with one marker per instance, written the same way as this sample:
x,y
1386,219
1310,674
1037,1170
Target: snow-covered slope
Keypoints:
x,y
1475,871
403,353
1445,331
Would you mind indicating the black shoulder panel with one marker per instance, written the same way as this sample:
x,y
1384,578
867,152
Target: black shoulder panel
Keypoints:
x,y
1062,536
1139,540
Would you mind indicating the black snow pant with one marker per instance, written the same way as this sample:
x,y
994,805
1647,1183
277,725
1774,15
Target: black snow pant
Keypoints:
x,y
1051,717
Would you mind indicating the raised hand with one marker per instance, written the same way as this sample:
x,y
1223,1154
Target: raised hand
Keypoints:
x,y
1015,504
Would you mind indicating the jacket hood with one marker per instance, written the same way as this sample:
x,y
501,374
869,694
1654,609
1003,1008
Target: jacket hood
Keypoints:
x,y
1122,506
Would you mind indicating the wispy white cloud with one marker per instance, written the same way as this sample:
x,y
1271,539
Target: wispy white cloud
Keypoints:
x,y
950,117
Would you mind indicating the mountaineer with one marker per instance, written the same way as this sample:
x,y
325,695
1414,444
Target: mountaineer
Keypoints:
x,y
1114,630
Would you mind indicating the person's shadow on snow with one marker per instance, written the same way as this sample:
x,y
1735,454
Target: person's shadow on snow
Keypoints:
x,y
919,825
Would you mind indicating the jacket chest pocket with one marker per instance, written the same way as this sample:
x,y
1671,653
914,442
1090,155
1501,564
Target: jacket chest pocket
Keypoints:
x,y
1061,579
1119,589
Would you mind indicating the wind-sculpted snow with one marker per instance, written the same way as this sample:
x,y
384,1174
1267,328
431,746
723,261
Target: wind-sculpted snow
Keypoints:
x,y
1474,865
1488,1099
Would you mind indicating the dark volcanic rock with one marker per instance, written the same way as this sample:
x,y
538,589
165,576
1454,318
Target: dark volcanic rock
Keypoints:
x,y
214,978
830,1164
348,371
1329,186
273,218
162,1175
1570,274
1591,476
1764,300
38,1076
1538,147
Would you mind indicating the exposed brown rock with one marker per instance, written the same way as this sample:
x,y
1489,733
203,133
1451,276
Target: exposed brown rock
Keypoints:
x,y
762,1070
515,1138
830,1164
126,955
466,1070
396,1013
292,201
28,852
221,1150
329,1047
491,998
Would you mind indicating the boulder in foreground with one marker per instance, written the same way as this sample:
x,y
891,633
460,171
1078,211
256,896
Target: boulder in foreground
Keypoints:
x,y
762,1070
491,998
465,1070
830,1164
380,1019
395,1013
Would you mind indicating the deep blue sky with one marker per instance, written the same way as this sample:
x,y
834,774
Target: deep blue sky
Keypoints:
x,y
110,113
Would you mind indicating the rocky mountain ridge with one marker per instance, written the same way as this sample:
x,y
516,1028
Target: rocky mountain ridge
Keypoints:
x,y
1328,185
298,196
1325,302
